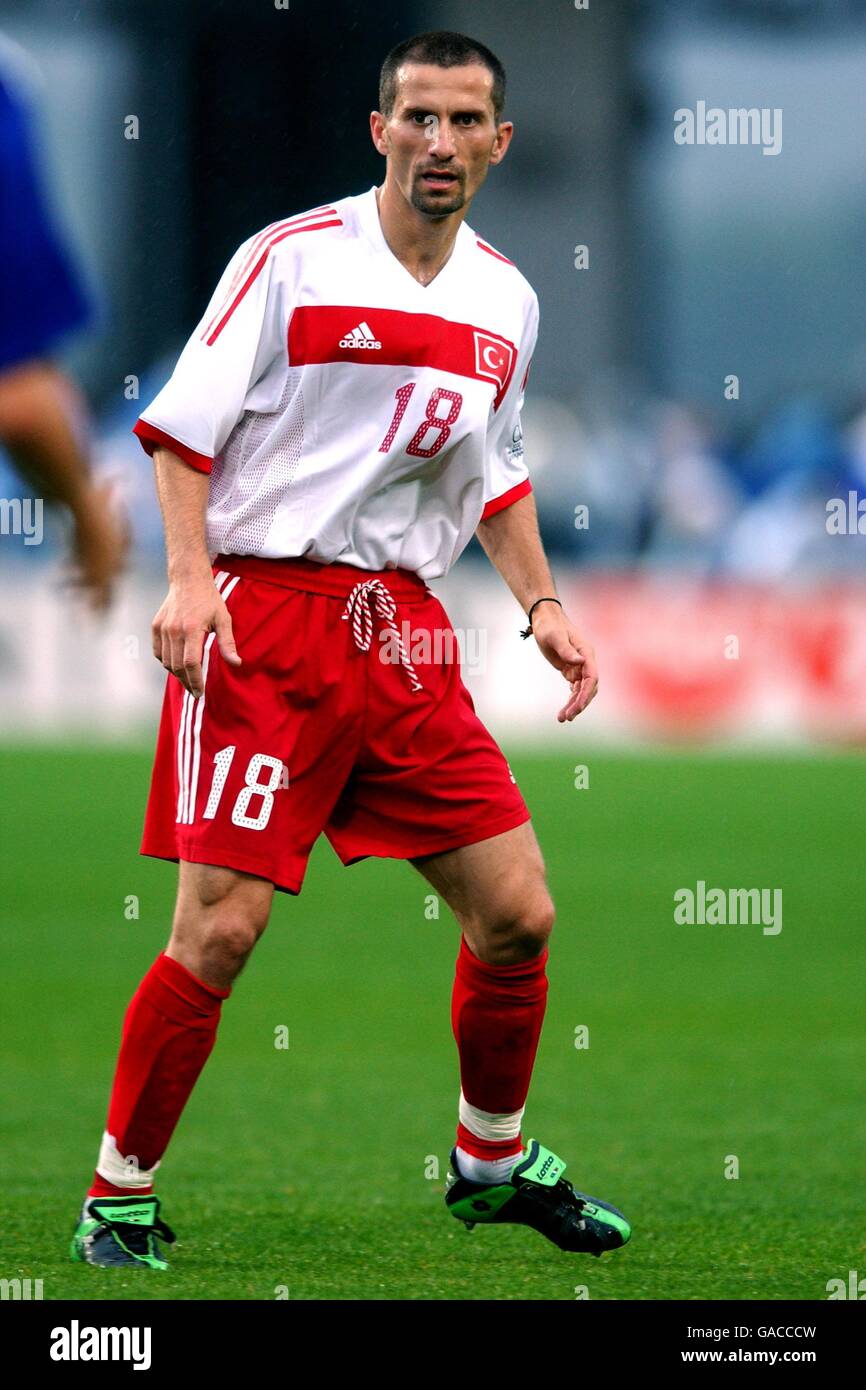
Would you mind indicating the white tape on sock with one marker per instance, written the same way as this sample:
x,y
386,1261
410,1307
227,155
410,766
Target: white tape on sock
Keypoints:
x,y
485,1125
122,1172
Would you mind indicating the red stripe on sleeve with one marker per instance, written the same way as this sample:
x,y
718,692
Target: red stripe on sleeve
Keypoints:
x,y
150,437
266,235
498,504
490,251
256,270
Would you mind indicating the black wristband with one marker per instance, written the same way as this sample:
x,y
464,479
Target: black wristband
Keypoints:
x,y
527,632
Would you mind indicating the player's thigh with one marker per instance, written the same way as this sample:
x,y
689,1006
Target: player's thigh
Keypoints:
x,y
219,916
495,887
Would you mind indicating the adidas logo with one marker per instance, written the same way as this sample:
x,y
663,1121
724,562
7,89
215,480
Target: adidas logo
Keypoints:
x,y
361,337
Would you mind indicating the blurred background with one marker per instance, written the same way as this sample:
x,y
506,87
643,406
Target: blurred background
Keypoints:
x,y
698,396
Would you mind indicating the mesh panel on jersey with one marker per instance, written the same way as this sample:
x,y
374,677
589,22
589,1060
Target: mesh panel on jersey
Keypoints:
x,y
255,470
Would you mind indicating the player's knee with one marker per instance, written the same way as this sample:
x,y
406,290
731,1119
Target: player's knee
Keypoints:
x,y
232,935
534,923
223,913
520,929
236,920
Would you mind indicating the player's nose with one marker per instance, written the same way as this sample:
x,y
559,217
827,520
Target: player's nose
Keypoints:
x,y
442,141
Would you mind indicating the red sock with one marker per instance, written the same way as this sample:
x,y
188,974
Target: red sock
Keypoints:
x,y
496,1014
168,1034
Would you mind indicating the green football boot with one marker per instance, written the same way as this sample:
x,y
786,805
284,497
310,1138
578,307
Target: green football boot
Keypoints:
x,y
121,1231
537,1195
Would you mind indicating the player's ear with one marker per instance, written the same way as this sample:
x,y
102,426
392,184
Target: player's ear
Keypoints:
x,y
504,132
377,131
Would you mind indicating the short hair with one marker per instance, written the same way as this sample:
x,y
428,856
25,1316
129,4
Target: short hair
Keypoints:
x,y
443,49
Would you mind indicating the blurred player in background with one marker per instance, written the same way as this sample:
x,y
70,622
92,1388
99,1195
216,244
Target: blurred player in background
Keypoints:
x,y
344,418
43,416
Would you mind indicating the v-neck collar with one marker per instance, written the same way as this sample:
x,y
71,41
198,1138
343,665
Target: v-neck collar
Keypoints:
x,y
368,216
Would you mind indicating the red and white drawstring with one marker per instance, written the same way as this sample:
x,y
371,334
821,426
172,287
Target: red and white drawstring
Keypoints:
x,y
368,596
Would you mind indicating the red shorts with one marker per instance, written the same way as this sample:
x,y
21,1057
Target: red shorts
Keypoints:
x,y
331,724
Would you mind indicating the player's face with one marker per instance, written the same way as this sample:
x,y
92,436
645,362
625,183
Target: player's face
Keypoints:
x,y
441,136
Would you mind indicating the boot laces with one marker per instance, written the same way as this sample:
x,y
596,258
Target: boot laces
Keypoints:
x,y
136,1238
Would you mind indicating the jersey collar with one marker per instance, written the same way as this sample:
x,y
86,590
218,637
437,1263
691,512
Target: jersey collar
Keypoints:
x,y
368,219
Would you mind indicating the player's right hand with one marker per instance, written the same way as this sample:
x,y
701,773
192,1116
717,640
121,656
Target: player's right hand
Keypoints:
x,y
178,632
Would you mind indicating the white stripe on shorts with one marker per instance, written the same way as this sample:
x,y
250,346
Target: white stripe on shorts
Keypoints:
x,y
184,734
198,714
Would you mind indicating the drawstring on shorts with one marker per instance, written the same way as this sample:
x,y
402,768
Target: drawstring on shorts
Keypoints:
x,y
371,596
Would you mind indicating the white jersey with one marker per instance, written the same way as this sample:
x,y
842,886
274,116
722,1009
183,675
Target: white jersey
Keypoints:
x,y
343,410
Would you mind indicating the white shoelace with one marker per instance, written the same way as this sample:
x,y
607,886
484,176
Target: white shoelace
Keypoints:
x,y
371,596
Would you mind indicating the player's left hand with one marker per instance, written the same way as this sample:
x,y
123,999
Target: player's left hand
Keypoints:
x,y
562,645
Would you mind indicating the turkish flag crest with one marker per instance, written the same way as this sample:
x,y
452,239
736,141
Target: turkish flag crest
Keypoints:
x,y
494,359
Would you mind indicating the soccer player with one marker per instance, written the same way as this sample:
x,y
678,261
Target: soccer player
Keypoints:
x,y
343,419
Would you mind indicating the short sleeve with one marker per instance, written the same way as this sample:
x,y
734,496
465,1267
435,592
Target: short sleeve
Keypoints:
x,y
233,346
506,475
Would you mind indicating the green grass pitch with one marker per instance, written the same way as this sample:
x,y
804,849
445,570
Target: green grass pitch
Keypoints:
x,y
307,1170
